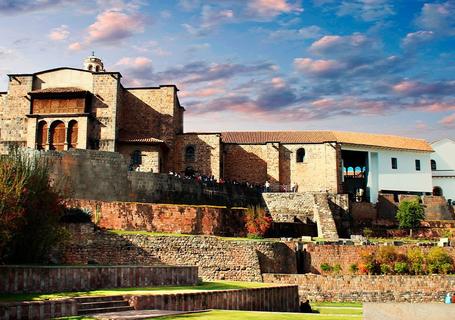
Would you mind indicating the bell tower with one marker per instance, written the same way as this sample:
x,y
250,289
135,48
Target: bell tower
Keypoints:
x,y
93,64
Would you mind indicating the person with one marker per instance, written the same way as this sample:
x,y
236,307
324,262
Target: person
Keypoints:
x,y
293,187
305,307
448,298
267,186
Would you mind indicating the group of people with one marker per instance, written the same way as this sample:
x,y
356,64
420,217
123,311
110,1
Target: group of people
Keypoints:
x,y
293,187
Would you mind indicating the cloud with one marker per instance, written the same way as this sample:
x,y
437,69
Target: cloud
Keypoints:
x,y
323,68
272,8
438,17
59,33
137,68
202,93
75,46
211,18
417,88
26,6
355,44
366,10
448,121
310,32
415,39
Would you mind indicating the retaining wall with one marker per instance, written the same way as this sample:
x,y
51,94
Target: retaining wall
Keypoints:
x,y
46,279
38,310
189,219
367,288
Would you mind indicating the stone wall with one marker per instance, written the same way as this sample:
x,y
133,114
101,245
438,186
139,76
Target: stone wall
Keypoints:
x,y
48,279
275,298
207,160
187,219
345,255
38,309
216,258
367,288
98,175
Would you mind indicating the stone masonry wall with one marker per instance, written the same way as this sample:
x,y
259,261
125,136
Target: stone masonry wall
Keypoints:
x,y
241,260
207,153
365,288
208,220
245,163
48,279
344,255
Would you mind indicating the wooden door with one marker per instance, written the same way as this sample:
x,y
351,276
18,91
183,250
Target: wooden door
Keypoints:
x,y
72,135
41,139
58,136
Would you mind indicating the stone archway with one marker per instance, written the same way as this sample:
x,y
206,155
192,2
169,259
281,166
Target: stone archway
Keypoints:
x,y
437,191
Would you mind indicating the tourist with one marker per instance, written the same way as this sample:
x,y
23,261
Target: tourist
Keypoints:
x,y
267,186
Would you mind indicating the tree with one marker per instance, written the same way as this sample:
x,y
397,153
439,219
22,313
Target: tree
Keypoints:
x,y
410,213
30,208
257,221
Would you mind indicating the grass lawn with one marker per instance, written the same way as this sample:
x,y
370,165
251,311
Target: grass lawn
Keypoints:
x,y
216,285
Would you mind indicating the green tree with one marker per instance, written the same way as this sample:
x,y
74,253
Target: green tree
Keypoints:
x,y
409,214
30,208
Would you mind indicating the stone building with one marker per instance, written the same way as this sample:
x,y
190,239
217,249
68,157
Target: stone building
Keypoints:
x,y
89,108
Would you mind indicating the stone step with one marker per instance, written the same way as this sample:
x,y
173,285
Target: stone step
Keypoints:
x,y
105,310
102,304
99,299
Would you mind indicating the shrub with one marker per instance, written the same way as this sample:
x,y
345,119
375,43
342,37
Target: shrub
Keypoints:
x,y
372,267
30,208
438,261
325,267
386,255
353,268
257,221
416,261
385,269
367,232
337,268
409,214
400,267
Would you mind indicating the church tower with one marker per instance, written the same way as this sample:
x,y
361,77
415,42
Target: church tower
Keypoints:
x,y
93,64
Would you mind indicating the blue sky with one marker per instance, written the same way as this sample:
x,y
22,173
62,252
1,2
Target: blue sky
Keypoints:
x,y
361,65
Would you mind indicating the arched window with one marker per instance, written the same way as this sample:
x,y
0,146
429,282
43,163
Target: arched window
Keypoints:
x,y
90,67
97,68
41,138
300,155
433,165
437,191
136,158
190,154
72,134
57,141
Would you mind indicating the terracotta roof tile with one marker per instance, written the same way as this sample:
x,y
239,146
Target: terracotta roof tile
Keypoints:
x,y
139,138
354,138
59,90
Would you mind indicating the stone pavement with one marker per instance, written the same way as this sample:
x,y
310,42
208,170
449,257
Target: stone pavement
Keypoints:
x,y
138,314
408,311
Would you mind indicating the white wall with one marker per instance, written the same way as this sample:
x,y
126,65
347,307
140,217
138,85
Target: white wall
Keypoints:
x,y
381,176
447,184
64,78
444,154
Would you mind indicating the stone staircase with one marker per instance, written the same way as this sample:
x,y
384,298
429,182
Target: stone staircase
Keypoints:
x,y
323,216
93,305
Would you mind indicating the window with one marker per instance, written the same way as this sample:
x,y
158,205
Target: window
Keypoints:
x,y
394,163
433,165
97,68
136,158
41,139
417,165
90,67
190,154
300,156
72,134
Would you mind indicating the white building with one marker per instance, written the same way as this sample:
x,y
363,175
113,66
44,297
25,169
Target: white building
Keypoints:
x,y
443,168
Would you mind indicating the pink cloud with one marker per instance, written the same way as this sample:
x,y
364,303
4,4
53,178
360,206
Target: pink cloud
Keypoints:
x,y
59,34
414,39
113,25
318,67
405,86
138,62
278,83
272,8
343,44
436,106
75,46
448,121
202,93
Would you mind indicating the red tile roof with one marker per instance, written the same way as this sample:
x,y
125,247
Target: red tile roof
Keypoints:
x,y
139,138
350,138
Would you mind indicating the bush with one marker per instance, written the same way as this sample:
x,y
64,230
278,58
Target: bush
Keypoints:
x,y
409,214
30,208
416,261
325,267
438,261
400,267
353,268
385,269
257,221
367,232
337,268
386,255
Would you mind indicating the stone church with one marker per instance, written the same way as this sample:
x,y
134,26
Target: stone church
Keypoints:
x,y
64,108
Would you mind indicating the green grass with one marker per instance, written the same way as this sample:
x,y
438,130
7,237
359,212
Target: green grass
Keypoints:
x,y
336,304
216,285
255,315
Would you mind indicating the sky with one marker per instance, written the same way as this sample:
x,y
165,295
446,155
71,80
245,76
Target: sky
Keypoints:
x,y
380,66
